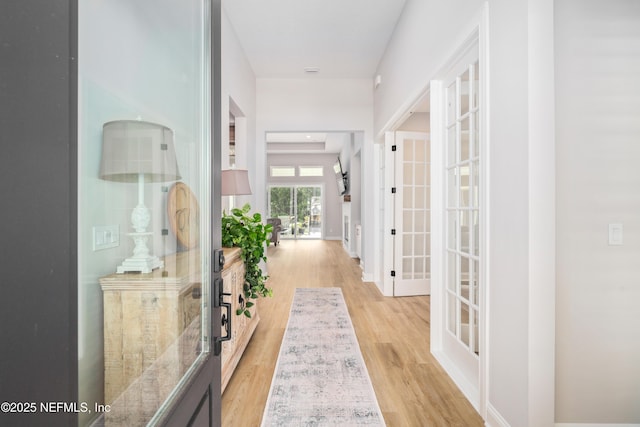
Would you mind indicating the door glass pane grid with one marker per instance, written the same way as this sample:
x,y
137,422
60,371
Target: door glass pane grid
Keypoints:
x,y
475,332
474,184
451,103
464,92
452,313
452,141
475,135
451,195
462,199
465,126
452,230
452,271
415,209
475,84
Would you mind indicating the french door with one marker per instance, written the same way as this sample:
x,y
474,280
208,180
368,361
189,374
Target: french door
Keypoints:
x,y
411,192
456,118
300,209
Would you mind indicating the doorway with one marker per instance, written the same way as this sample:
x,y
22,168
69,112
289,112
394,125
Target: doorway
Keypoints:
x,y
299,208
406,191
411,233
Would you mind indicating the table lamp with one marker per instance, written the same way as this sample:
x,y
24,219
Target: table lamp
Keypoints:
x,y
138,152
235,182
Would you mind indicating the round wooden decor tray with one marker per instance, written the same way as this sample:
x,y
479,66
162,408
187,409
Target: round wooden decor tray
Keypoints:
x,y
184,215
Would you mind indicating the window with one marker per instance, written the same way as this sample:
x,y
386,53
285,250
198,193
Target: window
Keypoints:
x,y
311,171
283,171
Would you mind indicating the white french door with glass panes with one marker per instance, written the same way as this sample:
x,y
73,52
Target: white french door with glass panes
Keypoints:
x,y
459,209
411,194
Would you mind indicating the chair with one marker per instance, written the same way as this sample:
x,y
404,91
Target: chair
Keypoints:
x,y
277,228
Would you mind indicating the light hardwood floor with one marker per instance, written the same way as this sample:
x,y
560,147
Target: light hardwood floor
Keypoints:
x,y
411,387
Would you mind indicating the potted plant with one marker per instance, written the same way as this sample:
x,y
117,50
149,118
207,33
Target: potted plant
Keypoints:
x,y
239,229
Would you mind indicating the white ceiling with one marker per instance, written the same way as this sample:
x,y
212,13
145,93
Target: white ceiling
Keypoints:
x,y
341,38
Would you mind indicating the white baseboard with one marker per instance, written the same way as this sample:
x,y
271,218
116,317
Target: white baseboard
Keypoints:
x,y
470,392
367,277
333,238
594,425
494,418
380,285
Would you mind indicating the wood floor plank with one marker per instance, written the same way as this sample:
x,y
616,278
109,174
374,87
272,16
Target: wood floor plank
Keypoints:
x,y
393,333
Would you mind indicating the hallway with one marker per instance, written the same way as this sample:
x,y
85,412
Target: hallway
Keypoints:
x,y
411,387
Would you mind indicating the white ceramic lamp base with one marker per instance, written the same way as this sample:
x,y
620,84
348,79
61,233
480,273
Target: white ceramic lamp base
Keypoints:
x,y
141,265
141,261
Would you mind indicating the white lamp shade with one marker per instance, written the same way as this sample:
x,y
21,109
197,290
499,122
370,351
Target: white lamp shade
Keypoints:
x,y
235,182
131,148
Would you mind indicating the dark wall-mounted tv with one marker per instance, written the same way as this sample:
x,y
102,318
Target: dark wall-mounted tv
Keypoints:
x,y
341,177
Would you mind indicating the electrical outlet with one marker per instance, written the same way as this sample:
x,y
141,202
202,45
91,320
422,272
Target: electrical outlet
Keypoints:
x,y
105,237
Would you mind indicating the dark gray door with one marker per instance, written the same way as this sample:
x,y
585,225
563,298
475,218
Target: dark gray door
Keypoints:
x,y
44,329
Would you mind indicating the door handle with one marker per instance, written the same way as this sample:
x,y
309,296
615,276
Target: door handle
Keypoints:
x,y
226,317
226,322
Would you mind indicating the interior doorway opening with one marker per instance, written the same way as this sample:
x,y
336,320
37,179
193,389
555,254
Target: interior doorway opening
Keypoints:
x,y
406,162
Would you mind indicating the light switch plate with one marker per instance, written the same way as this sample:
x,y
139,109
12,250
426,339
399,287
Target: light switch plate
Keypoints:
x,y
615,234
105,237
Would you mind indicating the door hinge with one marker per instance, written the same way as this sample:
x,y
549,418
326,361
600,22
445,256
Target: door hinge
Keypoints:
x,y
393,273
393,190
393,231
394,147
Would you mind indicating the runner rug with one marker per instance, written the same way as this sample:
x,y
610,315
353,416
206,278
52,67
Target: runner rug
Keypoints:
x,y
320,377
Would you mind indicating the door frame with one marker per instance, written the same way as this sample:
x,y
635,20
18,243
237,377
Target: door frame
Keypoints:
x,y
477,396
39,308
478,32
199,402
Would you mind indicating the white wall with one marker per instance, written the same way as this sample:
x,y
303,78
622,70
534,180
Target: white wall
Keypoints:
x,y
417,122
522,226
598,147
425,36
239,85
319,105
519,274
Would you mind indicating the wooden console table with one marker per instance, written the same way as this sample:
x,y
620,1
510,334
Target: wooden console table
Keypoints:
x,y
152,331
152,335
242,327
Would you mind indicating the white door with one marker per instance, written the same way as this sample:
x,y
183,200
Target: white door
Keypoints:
x,y
411,199
460,212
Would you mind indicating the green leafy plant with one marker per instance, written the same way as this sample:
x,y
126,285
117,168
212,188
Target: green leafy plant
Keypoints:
x,y
247,232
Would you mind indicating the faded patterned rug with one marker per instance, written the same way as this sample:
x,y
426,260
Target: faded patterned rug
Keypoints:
x,y
320,377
